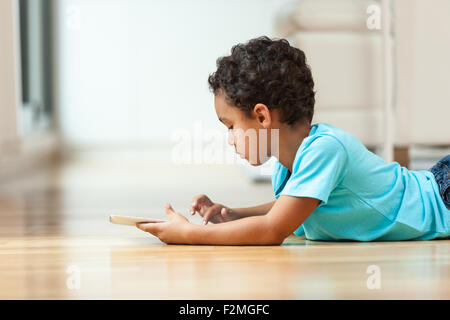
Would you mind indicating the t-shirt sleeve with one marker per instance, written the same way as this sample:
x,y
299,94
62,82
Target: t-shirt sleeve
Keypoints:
x,y
317,169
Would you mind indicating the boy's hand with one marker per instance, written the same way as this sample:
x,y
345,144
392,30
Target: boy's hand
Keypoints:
x,y
172,231
210,211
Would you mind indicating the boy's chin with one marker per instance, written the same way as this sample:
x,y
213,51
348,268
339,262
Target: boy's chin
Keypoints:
x,y
258,163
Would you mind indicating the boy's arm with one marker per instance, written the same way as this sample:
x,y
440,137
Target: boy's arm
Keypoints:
x,y
260,210
218,213
283,218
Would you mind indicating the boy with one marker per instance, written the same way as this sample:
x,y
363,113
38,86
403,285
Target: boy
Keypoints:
x,y
327,185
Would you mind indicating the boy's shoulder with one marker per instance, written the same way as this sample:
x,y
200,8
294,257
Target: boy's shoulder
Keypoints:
x,y
325,142
323,138
324,135
326,129
322,148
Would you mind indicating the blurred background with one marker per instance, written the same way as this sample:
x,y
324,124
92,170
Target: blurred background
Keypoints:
x,y
94,95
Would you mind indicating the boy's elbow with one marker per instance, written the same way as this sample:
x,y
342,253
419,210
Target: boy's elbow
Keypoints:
x,y
274,233
277,241
274,236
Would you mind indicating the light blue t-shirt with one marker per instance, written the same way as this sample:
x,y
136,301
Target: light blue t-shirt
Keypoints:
x,y
362,197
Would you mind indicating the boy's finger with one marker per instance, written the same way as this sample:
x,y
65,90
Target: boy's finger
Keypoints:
x,y
207,215
223,212
198,200
153,227
169,209
200,208
193,207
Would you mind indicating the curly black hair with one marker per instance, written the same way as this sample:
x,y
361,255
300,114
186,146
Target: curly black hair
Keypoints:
x,y
268,71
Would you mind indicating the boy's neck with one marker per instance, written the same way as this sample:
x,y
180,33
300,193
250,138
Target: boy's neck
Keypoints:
x,y
291,137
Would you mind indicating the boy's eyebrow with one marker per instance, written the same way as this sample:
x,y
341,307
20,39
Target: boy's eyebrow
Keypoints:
x,y
222,119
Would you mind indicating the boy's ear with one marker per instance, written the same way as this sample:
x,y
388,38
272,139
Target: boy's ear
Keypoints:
x,y
263,115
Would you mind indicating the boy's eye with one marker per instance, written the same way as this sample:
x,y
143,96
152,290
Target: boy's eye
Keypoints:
x,y
230,128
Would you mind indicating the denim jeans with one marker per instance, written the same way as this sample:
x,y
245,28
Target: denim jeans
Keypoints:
x,y
441,171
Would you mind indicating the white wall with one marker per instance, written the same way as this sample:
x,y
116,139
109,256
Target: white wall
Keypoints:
x,y
136,70
8,78
423,71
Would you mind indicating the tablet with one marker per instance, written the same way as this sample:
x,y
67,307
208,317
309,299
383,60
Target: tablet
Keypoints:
x,y
131,221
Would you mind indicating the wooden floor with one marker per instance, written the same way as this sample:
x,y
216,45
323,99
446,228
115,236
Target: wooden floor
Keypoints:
x,y
54,227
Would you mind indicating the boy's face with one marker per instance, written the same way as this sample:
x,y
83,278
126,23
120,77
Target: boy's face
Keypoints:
x,y
249,136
